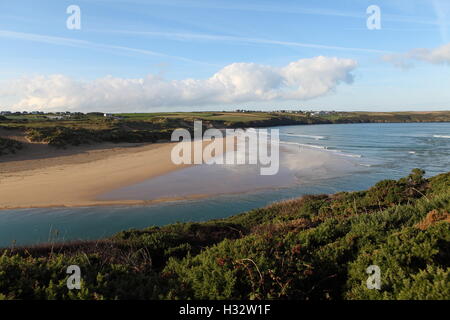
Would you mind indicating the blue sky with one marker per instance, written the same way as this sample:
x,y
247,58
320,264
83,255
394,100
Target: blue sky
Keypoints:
x,y
167,55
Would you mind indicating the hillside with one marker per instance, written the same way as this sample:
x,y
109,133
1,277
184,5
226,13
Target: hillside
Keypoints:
x,y
312,248
76,129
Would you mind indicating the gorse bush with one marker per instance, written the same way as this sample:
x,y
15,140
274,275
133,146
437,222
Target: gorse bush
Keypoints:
x,y
312,248
9,146
65,136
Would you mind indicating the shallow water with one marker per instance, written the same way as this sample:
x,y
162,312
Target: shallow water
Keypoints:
x,y
367,153
297,165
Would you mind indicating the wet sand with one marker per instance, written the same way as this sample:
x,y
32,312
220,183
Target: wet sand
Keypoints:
x,y
297,166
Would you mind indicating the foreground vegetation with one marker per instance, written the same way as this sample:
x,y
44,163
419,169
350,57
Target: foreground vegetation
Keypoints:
x,y
93,127
315,247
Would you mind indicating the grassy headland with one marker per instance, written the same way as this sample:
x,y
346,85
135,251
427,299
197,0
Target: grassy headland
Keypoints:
x,y
75,129
315,247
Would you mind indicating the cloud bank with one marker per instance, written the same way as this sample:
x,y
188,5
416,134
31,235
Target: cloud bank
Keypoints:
x,y
236,83
438,56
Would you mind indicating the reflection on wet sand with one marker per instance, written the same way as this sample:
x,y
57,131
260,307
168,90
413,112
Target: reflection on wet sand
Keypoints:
x,y
297,165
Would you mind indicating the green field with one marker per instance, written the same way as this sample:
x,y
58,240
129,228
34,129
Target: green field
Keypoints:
x,y
311,248
89,120
153,127
212,116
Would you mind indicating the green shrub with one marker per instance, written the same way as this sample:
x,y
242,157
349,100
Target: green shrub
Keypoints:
x,y
9,146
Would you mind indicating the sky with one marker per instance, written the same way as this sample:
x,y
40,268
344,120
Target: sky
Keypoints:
x,y
184,55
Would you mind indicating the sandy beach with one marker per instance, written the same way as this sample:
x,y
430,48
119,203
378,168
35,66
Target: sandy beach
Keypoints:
x,y
43,176
75,177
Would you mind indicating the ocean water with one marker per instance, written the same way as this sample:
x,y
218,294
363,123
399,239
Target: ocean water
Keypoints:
x,y
354,157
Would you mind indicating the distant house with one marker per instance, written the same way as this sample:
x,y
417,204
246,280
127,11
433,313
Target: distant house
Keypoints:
x,y
108,115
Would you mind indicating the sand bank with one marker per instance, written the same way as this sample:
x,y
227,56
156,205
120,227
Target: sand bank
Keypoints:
x,y
77,176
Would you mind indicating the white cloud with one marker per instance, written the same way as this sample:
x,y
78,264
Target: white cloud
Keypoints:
x,y
68,42
442,10
294,9
183,36
236,83
440,55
